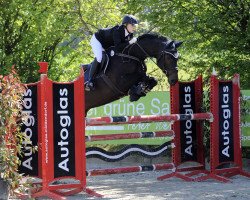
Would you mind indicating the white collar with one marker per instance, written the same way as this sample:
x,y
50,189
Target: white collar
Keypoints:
x,y
126,32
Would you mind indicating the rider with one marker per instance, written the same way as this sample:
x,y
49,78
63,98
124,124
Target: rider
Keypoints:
x,y
118,36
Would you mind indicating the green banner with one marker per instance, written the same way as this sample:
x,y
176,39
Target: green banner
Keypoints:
x,y
155,103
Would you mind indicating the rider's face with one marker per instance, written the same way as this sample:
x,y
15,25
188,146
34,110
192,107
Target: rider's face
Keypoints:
x,y
131,28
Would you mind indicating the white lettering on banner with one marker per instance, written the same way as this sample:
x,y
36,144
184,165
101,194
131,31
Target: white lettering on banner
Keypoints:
x,y
188,124
163,126
121,109
140,109
158,108
155,106
147,126
226,116
28,121
92,112
65,122
139,127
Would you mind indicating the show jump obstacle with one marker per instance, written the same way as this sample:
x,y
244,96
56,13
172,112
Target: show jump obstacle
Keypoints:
x,y
54,123
55,112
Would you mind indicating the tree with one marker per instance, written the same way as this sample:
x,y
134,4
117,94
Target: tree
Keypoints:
x,y
216,33
56,31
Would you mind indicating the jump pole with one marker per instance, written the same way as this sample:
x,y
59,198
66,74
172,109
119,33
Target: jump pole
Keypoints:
x,y
91,138
98,121
131,169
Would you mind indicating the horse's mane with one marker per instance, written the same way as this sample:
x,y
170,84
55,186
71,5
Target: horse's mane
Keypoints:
x,y
152,36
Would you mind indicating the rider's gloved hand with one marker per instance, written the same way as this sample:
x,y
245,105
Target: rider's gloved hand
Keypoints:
x,y
133,40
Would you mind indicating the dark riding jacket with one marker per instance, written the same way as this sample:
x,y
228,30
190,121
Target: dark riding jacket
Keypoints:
x,y
114,36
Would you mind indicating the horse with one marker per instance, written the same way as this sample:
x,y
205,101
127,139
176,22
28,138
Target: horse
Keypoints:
x,y
127,69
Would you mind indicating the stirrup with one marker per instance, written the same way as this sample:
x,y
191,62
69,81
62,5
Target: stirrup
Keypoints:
x,y
89,86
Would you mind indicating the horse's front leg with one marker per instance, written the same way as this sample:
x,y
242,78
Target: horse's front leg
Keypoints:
x,y
150,82
142,87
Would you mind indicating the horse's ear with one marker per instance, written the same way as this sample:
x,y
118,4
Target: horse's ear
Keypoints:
x,y
177,43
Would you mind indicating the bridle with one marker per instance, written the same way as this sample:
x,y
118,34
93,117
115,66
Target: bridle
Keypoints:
x,y
158,57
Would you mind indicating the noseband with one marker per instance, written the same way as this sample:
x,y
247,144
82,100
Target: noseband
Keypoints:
x,y
170,53
163,54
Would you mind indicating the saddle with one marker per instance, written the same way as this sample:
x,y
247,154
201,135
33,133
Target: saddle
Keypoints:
x,y
102,69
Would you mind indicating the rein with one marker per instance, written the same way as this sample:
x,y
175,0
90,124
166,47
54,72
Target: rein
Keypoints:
x,y
128,56
161,54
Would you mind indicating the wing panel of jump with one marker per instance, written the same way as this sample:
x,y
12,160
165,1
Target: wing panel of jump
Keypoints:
x,y
30,159
186,99
225,138
55,123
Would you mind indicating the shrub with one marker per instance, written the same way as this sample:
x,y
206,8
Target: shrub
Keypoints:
x,y
11,138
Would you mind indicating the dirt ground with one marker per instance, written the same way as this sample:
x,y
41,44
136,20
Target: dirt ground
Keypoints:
x,y
145,186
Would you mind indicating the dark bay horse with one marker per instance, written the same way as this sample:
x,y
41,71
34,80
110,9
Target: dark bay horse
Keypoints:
x,y
124,71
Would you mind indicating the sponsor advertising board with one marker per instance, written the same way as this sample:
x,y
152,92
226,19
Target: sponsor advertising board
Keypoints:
x,y
155,103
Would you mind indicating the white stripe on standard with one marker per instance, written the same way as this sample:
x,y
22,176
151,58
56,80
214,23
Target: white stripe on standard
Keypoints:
x,y
154,134
126,117
89,138
178,117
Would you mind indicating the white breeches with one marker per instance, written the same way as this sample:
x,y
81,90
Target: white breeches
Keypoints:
x,y
96,48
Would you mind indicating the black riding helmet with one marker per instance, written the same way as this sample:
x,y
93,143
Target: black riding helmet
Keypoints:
x,y
129,19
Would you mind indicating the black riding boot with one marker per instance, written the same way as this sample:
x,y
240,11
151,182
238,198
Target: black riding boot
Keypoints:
x,y
94,66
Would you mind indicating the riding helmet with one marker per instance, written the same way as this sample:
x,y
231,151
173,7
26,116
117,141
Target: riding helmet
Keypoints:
x,y
129,19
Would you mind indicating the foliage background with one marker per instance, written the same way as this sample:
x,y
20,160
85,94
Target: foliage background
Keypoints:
x,y
216,33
